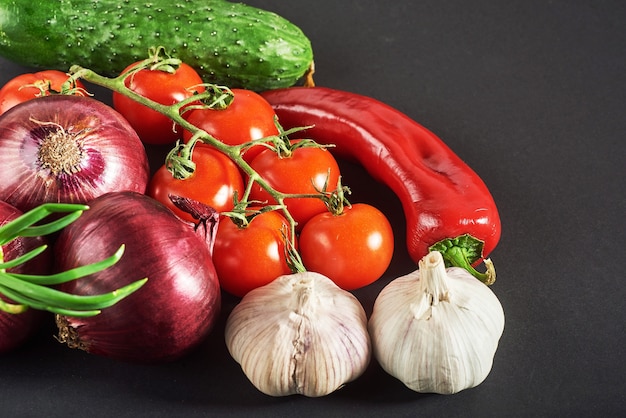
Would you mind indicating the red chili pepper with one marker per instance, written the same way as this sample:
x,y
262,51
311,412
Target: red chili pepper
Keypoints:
x,y
445,202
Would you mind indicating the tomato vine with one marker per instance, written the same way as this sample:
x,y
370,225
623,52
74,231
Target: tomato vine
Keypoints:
x,y
179,158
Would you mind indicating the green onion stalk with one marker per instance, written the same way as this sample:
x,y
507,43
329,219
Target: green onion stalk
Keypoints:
x,y
36,291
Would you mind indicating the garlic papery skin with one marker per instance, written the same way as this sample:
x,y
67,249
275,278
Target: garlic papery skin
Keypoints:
x,y
299,334
436,329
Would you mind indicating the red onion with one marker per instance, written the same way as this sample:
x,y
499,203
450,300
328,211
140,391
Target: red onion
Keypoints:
x,y
17,328
67,149
177,307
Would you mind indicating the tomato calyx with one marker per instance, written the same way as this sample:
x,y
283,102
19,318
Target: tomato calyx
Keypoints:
x,y
464,251
285,148
158,60
336,200
244,212
283,145
179,160
216,97
279,143
45,88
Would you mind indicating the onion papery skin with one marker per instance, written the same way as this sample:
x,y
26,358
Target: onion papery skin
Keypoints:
x,y
172,312
100,152
17,329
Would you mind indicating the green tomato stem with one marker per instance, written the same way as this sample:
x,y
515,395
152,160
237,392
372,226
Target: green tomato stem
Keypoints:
x,y
234,152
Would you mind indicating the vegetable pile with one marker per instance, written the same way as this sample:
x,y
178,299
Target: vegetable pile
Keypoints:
x,y
249,200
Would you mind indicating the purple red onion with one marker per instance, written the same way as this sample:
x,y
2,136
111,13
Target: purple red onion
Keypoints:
x,y
177,307
67,149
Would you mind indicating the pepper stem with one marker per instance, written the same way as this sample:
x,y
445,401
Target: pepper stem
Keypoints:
x,y
463,251
457,258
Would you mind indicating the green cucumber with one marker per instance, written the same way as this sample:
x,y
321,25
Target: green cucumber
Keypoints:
x,y
232,44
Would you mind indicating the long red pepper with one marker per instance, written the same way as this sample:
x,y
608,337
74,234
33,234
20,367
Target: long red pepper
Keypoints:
x,y
443,199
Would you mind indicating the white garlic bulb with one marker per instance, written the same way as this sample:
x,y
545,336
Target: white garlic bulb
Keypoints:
x,y
436,329
300,334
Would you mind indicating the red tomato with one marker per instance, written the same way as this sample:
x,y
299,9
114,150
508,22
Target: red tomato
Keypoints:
x,y
248,117
39,84
250,257
214,182
164,88
353,249
305,170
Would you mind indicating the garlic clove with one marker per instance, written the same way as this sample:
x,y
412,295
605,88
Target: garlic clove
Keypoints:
x,y
300,334
436,329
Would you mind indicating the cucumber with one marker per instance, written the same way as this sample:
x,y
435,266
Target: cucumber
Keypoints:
x,y
231,44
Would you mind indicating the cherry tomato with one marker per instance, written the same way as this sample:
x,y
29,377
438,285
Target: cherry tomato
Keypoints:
x,y
307,169
249,257
31,85
248,117
214,182
353,248
164,88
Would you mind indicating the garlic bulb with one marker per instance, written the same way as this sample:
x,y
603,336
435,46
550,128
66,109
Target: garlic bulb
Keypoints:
x,y
300,334
436,329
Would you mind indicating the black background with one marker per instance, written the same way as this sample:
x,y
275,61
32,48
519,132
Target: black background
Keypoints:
x,y
531,95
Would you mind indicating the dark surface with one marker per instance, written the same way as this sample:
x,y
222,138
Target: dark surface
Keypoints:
x,y
531,95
